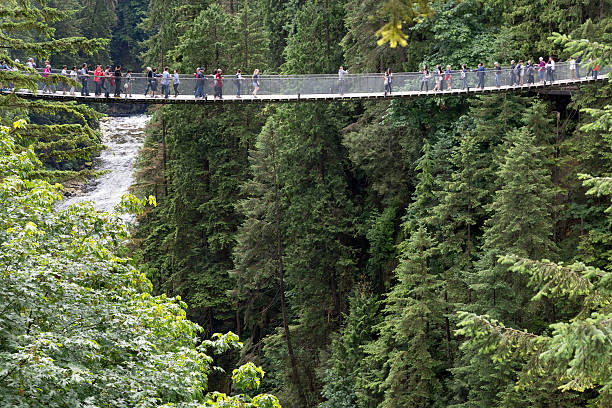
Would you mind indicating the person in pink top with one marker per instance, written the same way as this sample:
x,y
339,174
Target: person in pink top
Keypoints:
x,y
46,73
542,69
98,74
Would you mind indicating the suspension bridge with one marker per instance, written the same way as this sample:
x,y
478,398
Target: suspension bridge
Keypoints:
x,y
294,88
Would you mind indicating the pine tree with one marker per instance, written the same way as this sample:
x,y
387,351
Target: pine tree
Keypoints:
x,y
259,252
411,329
206,42
63,133
317,29
250,39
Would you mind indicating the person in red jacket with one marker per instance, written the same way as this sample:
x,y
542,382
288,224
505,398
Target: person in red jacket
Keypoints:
x,y
218,84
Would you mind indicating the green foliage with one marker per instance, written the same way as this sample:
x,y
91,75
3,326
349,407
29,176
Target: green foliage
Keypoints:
x,y
63,136
247,377
317,30
80,326
400,12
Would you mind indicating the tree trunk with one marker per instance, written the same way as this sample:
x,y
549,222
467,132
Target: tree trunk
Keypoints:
x,y
448,333
164,157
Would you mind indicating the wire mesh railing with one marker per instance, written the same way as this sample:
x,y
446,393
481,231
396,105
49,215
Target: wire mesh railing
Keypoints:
x,y
139,85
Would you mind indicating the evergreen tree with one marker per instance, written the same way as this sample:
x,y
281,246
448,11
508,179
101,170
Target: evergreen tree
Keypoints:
x,y
317,29
411,328
63,135
260,245
206,42
250,40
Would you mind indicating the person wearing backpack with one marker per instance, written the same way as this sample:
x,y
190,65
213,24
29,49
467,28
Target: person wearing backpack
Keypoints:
x,y
238,82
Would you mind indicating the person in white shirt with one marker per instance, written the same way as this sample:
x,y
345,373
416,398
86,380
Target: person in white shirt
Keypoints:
x,y
74,76
551,61
341,74
572,68
64,73
175,82
166,83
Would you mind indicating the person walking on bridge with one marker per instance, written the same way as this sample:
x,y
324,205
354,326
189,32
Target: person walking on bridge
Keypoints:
x,y
176,81
74,76
255,79
530,73
542,69
512,73
98,78
590,65
218,84
127,87
238,82
84,80
438,78
497,74
106,81
387,80
149,77
341,84
46,73
481,76
118,81
64,73
166,82
572,67
551,77
448,76
154,76
425,79
464,78
200,82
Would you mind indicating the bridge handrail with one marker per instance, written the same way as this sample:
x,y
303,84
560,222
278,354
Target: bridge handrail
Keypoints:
x,y
488,70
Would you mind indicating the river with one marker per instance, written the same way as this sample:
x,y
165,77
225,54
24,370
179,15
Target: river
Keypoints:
x,y
123,137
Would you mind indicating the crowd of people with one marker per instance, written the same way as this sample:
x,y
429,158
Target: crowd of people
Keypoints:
x,y
519,74
107,80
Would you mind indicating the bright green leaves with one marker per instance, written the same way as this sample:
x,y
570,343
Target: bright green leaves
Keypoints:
x,y
400,12
79,325
247,377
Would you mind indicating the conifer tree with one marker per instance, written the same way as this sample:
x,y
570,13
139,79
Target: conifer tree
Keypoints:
x,y
63,135
250,40
259,252
317,29
520,224
206,42
411,328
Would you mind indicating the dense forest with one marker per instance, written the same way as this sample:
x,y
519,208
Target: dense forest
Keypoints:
x,y
454,251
